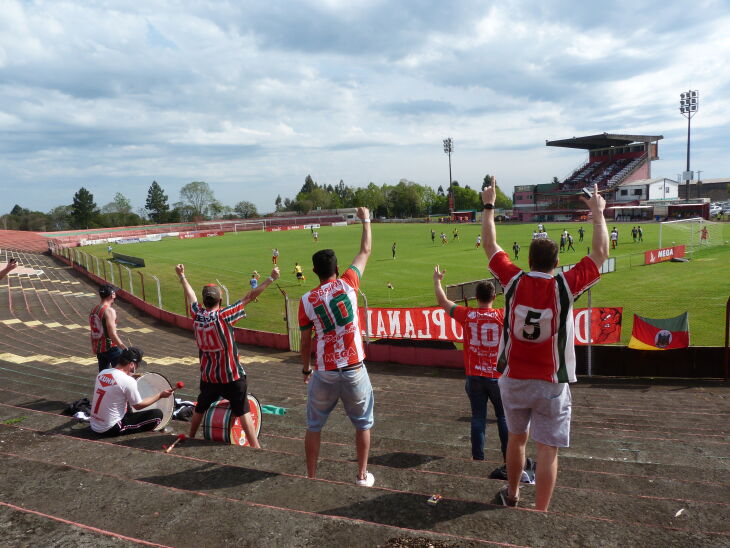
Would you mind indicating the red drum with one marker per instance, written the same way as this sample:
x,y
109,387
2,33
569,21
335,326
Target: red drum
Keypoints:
x,y
219,423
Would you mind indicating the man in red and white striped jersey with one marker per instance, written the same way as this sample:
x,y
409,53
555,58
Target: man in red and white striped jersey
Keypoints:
x,y
536,348
221,373
330,310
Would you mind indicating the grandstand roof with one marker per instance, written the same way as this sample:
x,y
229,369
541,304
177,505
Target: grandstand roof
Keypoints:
x,y
602,140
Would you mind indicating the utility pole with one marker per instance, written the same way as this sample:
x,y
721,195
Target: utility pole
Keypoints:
x,y
448,149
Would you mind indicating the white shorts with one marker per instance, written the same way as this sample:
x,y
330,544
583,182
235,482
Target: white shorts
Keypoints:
x,y
543,408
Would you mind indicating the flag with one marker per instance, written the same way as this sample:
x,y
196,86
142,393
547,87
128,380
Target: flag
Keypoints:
x,y
665,334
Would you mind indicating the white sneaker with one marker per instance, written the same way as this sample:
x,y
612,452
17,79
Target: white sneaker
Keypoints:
x,y
369,480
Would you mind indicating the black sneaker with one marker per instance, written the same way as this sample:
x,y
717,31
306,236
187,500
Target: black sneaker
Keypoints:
x,y
499,473
506,499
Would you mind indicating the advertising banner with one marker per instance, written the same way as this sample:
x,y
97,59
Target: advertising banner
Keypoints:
x,y
434,324
287,227
663,254
202,234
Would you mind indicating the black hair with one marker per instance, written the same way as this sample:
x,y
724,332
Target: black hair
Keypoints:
x,y
324,263
106,290
485,292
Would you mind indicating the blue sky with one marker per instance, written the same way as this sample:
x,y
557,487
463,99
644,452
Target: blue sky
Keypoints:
x,y
253,96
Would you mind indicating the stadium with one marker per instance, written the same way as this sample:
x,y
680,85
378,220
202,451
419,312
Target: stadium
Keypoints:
x,y
645,466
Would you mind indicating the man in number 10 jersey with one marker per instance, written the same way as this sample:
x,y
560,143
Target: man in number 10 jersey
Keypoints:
x,y
330,311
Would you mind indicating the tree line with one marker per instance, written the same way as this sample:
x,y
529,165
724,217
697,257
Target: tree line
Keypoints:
x,y
402,200
197,202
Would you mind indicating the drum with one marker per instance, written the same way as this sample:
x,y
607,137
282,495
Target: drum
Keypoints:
x,y
219,423
151,384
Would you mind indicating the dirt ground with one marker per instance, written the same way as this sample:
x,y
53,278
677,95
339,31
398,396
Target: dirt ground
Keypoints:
x,y
648,463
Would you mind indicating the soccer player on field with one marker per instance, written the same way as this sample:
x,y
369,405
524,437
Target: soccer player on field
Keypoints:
x,y
299,274
275,256
537,346
339,373
221,373
482,332
479,241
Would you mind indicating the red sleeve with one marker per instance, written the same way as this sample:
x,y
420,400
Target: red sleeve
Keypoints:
x,y
582,276
304,321
502,267
231,314
458,313
352,277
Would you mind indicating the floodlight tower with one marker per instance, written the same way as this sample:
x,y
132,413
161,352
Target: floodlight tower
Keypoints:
x,y
689,103
448,149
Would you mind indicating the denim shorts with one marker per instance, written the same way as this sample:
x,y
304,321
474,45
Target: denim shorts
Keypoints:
x,y
542,407
353,387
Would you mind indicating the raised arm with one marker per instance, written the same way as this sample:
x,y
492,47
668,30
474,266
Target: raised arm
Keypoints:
x,y
361,259
254,293
12,264
189,293
441,298
599,249
489,231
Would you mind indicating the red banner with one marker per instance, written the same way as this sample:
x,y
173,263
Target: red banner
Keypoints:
x,y
204,234
287,227
433,323
663,254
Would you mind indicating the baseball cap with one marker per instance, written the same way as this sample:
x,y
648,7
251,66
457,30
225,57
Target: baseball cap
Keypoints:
x,y
211,293
107,290
133,354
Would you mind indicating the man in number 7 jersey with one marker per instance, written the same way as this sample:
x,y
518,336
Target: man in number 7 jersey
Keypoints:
x,y
536,348
221,373
330,310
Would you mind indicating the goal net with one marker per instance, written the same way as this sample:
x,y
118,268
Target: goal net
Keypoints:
x,y
248,225
692,233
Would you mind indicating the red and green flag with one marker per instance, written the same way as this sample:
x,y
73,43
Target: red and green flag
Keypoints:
x,y
664,334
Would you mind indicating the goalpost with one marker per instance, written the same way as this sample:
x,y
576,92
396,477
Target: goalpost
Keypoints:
x,y
249,225
694,232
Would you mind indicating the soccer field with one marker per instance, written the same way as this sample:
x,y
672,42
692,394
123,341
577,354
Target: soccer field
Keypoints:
x,y
700,286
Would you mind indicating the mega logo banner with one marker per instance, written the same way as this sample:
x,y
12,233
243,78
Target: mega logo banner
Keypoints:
x,y
663,254
434,324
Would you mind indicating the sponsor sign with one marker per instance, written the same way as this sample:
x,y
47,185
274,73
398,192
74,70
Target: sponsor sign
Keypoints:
x,y
287,227
664,254
200,234
432,323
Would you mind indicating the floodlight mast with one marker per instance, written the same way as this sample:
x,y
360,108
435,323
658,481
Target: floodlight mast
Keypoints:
x,y
448,149
689,103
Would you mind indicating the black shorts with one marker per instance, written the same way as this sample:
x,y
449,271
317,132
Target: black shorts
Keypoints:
x,y
300,275
235,392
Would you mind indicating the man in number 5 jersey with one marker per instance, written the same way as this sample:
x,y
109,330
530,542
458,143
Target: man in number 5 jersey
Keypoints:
x,y
330,310
221,373
482,331
537,348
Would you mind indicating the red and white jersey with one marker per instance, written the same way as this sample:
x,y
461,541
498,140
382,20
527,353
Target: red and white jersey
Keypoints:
x,y
331,309
482,333
537,341
113,389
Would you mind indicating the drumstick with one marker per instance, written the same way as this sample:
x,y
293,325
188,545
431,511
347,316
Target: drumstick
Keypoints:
x,y
168,448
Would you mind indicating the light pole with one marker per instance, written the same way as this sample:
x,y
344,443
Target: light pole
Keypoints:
x,y
448,149
689,102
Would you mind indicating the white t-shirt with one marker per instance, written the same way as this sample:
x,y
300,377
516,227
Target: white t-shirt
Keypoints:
x,y
113,389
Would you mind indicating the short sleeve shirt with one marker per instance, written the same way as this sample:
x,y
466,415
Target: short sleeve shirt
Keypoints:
x,y
537,340
217,348
331,309
113,390
482,332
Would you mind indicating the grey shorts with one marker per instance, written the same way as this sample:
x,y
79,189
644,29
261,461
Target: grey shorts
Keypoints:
x,y
541,407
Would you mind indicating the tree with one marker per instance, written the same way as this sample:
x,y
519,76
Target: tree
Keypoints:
x,y
555,181
247,210
83,209
156,203
440,191
309,185
119,212
60,217
277,202
198,196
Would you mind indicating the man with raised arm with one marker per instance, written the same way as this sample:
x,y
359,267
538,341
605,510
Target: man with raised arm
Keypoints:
x,y
339,373
537,349
482,329
105,341
221,373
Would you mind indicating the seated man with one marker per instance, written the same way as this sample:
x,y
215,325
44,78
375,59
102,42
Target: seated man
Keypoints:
x,y
114,389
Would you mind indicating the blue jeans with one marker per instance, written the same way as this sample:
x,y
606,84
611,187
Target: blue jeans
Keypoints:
x,y
480,389
353,387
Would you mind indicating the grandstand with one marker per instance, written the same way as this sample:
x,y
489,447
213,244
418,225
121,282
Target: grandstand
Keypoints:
x,y
613,159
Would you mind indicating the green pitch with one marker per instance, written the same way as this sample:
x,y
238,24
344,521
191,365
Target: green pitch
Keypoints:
x,y
701,286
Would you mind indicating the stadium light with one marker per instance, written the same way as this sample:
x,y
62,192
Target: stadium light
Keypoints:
x,y
448,149
689,103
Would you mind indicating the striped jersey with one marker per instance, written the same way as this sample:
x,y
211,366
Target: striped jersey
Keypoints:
x,y
482,330
331,308
100,341
537,340
217,348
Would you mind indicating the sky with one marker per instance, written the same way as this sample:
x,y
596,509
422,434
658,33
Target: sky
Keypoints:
x,y
250,97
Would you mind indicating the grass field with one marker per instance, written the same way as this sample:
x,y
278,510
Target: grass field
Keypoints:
x,y
700,286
